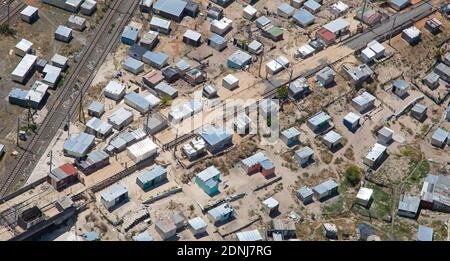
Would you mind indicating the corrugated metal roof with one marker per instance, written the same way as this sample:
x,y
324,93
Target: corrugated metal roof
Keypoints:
x,y
409,203
166,88
311,4
250,235
193,35
137,101
113,192
115,87
78,144
332,137
173,7
286,8
304,152
376,152
304,16
305,192
270,203
425,233
254,159
24,45
29,10
120,116
221,210
144,236
217,39
364,99
25,65
158,58
440,135
63,30
401,84
159,22
352,117
337,25
208,173
133,63
97,107
197,223
319,118
99,126
150,174
240,57
214,135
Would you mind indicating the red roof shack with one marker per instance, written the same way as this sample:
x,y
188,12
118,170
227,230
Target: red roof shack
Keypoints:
x,y
259,163
327,36
62,176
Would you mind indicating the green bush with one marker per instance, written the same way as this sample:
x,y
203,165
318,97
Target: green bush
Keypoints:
x,y
352,175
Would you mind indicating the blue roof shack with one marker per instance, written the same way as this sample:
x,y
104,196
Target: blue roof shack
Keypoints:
x,y
319,121
134,66
217,42
113,196
157,60
208,180
290,136
170,9
91,236
223,3
424,233
217,138
130,35
144,236
221,213
78,145
399,5
312,6
150,178
326,190
304,18
136,52
239,59
137,102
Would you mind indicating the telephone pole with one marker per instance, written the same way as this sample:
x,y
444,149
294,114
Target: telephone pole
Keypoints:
x,y
81,116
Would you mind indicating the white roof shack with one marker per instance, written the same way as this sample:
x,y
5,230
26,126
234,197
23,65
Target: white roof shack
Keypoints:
x,y
305,51
249,12
277,65
142,150
339,8
364,196
250,235
221,26
24,68
375,154
23,47
115,90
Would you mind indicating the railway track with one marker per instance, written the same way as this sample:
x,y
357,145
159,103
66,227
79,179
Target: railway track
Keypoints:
x,y
15,7
77,83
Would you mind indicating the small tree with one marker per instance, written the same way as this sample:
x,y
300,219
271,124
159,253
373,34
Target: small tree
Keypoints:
x,y
165,100
282,92
352,175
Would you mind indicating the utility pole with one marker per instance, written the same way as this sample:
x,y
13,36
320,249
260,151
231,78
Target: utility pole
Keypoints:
x,y
51,160
363,10
18,131
260,62
81,116
392,31
68,125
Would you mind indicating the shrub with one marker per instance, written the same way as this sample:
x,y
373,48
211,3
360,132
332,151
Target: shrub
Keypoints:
x,y
352,175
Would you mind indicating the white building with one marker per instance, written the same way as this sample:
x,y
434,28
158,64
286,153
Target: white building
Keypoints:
x,y
363,102
23,47
385,136
114,90
142,150
230,82
375,155
364,196
249,12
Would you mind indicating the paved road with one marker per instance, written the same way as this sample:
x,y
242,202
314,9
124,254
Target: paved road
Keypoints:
x,y
400,19
337,52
